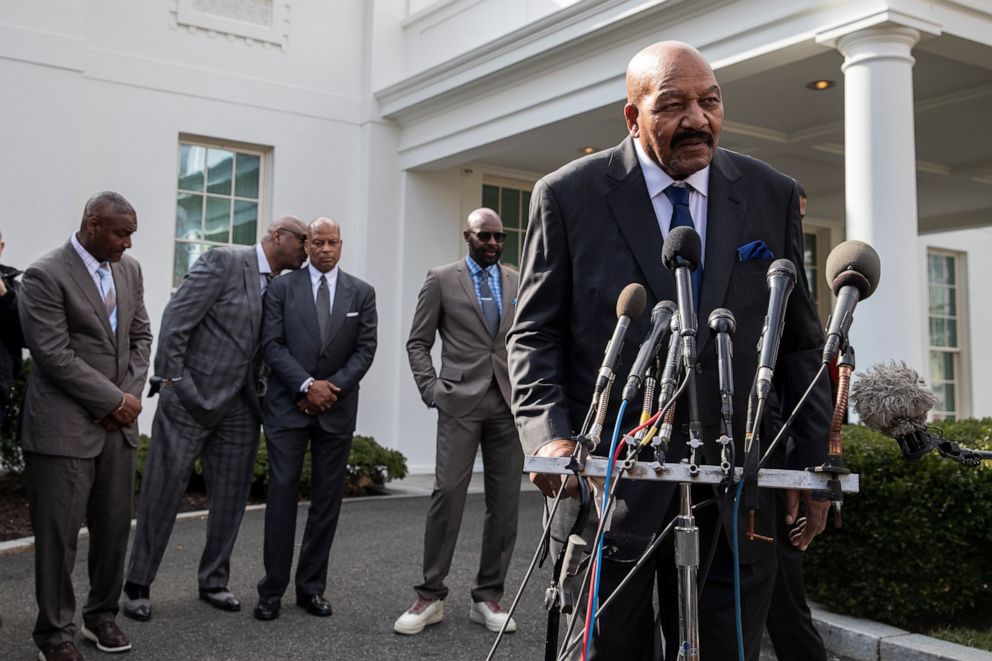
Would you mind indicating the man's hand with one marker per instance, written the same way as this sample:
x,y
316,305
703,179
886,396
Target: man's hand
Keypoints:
x,y
321,396
108,423
3,287
549,483
304,407
816,516
129,410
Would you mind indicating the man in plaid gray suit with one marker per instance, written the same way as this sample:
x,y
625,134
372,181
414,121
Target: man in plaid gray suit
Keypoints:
x,y
206,367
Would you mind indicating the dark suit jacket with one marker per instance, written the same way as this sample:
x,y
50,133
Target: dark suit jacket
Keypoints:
x,y
292,348
470,356
592,231
210,331
80,368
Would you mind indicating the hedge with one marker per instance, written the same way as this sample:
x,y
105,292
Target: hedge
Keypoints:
x,y
915,549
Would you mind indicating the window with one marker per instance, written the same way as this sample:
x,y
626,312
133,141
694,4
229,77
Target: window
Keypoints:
x,y
512,202
946,329
218,197
816,242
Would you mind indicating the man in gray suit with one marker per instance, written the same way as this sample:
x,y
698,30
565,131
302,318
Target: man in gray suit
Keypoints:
x,y
318,338
83,314
470,303
207,368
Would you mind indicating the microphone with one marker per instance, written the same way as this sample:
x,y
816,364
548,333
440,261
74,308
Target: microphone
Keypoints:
x,y
630,305
661,317
894,401
681,254
853,269
781,278
723,325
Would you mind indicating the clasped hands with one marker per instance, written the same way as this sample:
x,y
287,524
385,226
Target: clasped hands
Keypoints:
x,y
125,414
320,396
816,510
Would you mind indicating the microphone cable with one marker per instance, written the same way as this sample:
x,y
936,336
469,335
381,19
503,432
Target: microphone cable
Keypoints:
x,y
788,423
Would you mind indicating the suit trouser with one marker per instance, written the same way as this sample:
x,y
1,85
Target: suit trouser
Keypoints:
x,y
62,491
790,624
458,438
328,462
628,630
228,454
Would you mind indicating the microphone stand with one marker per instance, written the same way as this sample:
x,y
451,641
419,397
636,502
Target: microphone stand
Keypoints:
x,y
834,465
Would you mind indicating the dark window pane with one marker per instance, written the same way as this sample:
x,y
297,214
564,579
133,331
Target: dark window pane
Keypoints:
x,y
510,207
525,205
949,371
219,165
951,304
490,197
246,183
936,366
191,162
952,332
949,274
245,229
218,219
189,216
511,248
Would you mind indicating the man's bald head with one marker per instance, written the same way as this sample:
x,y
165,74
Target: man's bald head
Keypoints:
x,y
283,243
324,243
674,107
105,204
480,216
323,222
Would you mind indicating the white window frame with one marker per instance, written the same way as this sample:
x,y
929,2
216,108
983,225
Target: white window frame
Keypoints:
x,y
961,381
522,187
264,153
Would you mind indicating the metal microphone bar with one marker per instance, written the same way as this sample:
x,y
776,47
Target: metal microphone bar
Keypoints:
x,y
773,478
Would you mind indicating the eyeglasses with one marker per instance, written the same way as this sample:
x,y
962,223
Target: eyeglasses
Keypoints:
x,y
486,236
299,235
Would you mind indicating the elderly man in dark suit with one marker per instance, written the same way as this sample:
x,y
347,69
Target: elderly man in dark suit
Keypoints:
x,y
470,303
598,224
83,314
319,339
207,366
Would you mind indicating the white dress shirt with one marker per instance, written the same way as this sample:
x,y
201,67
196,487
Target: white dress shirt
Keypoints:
x,y
658,180
332,285
263,266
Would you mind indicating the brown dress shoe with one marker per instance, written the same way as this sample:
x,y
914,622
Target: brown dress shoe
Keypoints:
x,y
65,652
108,637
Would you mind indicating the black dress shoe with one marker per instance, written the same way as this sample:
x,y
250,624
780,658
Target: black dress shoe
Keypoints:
x,y
315,604
267,610
222,599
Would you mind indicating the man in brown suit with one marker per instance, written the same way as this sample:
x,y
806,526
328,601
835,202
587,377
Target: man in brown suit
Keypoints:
x,y
83,315
470,303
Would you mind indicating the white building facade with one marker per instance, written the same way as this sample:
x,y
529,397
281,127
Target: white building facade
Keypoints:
x,y
398,117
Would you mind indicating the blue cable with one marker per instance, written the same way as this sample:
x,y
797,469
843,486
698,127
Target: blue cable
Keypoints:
x,y
599,541
737,575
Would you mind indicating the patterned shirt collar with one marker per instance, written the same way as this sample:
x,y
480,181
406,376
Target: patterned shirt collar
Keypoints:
x,y
91,262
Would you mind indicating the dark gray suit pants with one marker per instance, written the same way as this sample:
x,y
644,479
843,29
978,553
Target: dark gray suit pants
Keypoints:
x,y
458,439
228,454
62,491
328,461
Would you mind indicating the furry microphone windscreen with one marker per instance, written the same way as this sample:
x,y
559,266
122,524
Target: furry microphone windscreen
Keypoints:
x,y
892,399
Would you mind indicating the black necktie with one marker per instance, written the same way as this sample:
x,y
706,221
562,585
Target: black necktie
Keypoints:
x,y
682,217
490,310
323,308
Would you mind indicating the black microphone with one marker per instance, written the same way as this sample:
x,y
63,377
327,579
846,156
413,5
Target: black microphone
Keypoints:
x,y
630,305
668,381
723,325
781,278
853,269
894,401
661,317
681,254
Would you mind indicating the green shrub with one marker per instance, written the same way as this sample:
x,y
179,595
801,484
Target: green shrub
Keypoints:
x,y
915,549
11,459
370,466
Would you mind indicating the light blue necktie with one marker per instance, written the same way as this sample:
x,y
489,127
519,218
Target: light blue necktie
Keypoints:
x,y
108,294
682,217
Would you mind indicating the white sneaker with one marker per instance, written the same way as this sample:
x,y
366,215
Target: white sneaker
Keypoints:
x,y
424,612
492,615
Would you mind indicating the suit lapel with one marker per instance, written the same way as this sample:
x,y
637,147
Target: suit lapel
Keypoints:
x,y
302,291
253,285
725,218
468,287
633,212
509,295
344,293
81,276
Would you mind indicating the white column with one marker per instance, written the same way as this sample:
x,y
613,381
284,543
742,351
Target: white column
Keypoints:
x,y
880,181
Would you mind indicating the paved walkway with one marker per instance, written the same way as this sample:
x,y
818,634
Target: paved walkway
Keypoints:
x,y
375,561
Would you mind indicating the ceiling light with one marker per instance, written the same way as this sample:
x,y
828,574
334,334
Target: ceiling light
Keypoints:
x,y
820,85
588,150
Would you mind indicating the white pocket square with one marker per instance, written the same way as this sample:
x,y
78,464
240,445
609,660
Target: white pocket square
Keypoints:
x,y
352,314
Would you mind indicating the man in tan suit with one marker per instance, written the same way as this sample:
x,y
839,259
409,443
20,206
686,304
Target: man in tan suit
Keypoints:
x,y
83,315
470,303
